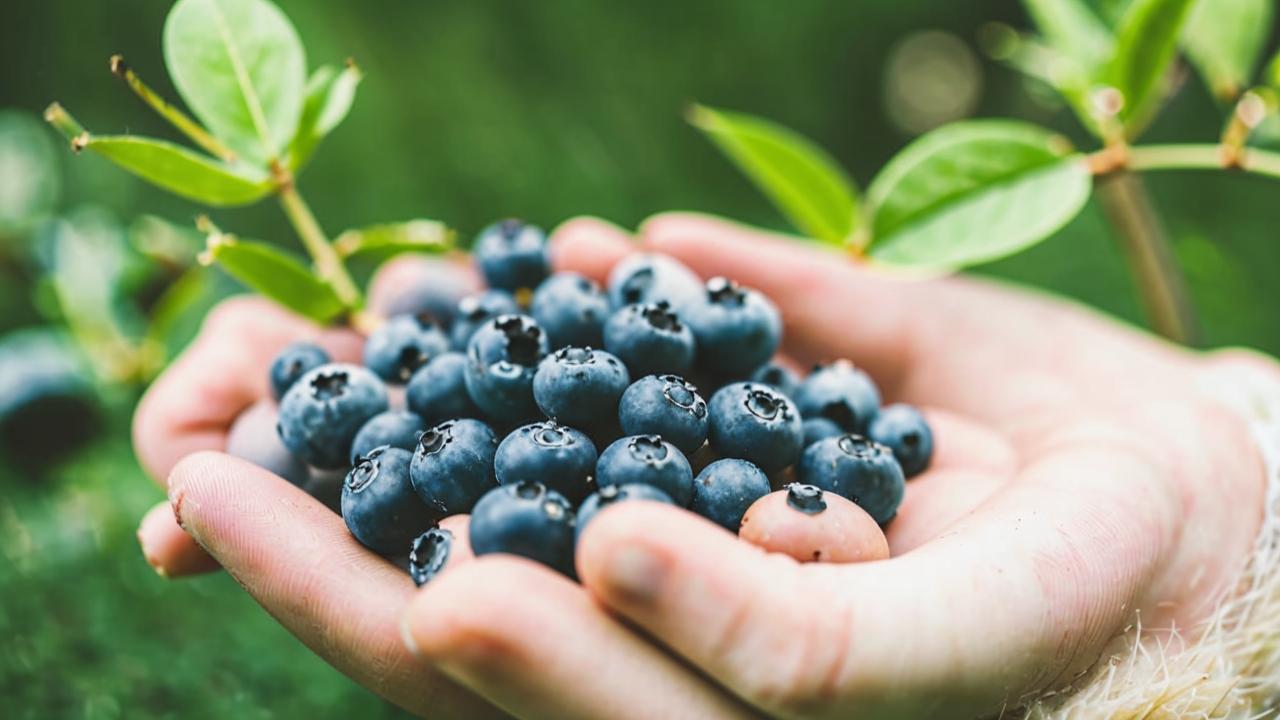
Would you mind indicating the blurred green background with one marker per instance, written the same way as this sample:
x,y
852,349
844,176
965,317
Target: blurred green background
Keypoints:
x,y
469,111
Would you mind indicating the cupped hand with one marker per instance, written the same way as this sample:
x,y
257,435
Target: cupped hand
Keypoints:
x,y
1082,480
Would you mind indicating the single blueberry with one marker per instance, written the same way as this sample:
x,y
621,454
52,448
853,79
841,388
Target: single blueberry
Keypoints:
x,y
858,469
904,430
805,498
610,494
840,393
724,490
435,291
650,460
571,309
528,520
559,457
379,504
429,554
321,414
402,345
645,278
650,339
292,363
778,377
474,311
665,405
453,465
502,358
736,329
820,428
512,255
396,428
438,391
757,423
253,437
580,386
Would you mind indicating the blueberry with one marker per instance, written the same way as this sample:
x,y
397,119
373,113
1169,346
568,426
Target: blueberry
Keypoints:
x,y
512,255
736,329
429,554
650,460
858,469
757,423
321,414
528,520
571,309
403,344
820,428
646,278
905,431
724,490
610,494
453,465
379,504
433,289
840,393
395,428
665,405
650,339
438,391
559,457
805,498
778,377
580,386
292,363
501,360
475,310
253,437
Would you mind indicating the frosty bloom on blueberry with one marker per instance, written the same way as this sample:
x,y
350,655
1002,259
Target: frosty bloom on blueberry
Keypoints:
x,y
512,255
321,414
501,359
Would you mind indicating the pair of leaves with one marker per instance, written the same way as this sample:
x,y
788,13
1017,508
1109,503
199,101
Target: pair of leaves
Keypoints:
x,y
284,278
965,193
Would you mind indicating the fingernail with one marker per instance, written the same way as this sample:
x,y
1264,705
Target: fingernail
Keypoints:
x,y
636,573
406,637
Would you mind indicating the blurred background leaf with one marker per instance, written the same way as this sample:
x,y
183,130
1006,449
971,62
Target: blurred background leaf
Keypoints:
x,y
29,173
1223,39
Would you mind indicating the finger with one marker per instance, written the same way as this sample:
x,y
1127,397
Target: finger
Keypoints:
x,y
191,406
589,246
938,341
536,645
168,548
299,562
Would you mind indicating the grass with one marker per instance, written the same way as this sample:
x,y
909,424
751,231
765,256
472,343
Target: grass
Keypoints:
x,y
92,632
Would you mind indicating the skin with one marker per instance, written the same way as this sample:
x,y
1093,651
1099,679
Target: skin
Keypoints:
x,y
1081,477
842,533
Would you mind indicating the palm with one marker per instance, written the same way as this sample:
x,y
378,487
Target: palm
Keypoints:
x,y
1073,485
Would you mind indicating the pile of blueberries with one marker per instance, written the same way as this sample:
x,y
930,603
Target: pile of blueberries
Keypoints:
x,y
537,402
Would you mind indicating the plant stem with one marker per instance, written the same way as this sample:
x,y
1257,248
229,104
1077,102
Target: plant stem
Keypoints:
x,y
60,119
1206,156
328,264
1160,281
166,110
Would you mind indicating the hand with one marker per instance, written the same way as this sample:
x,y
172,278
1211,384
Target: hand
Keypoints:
x,y
1080,477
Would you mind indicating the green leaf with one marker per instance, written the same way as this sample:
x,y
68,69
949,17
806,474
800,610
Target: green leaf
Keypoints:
x,y
1146,44
972,192
274,274
29,173
1072,29
179,170
381,242
1223,39
801,179
330,94
240,66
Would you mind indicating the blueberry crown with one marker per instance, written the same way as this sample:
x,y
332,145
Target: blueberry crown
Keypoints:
x,y
660,316
330,385
806,498
724,291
